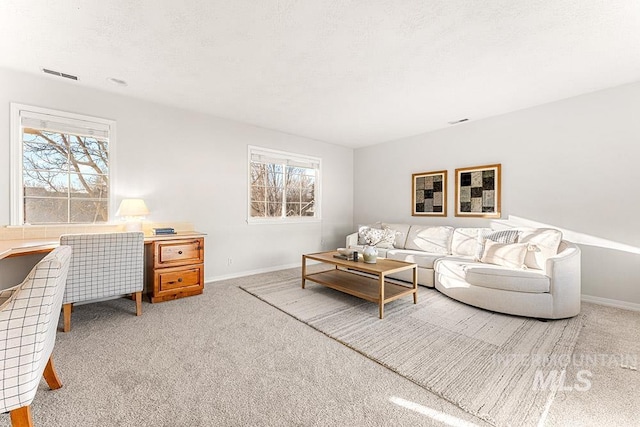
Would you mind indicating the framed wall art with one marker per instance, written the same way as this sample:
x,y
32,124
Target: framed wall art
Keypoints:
x,y
429,194
478,191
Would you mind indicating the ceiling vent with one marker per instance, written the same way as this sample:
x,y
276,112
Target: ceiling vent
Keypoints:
x,y
59,74
455,122
118,82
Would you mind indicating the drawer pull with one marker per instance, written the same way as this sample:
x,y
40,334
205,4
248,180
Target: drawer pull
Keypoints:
x,y
180,280
179,252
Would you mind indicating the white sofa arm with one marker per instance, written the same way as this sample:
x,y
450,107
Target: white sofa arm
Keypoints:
x,y
565,285
352,240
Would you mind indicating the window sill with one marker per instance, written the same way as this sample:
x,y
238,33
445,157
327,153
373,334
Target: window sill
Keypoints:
x,y
278,221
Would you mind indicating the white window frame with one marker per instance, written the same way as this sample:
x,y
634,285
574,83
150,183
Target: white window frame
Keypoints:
x,y
15,154
299,158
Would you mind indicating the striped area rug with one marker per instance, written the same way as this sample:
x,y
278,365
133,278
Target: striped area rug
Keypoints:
x,y
491,365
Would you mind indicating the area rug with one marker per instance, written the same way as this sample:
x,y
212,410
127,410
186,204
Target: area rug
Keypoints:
x,y
497,367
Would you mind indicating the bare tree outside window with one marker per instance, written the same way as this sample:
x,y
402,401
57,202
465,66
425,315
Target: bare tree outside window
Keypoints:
x,y
300,190
65,177
282,191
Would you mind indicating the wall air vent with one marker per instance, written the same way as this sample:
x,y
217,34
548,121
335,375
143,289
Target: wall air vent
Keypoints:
x,y
59,74
455,122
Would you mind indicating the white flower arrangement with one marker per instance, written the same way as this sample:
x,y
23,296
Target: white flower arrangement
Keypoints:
x,y
377,236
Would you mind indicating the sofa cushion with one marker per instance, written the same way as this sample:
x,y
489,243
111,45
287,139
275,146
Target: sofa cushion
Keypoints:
x,y
493,276
505,254
500,236
543,244
429,239
401,230
464,241
423,259
508,279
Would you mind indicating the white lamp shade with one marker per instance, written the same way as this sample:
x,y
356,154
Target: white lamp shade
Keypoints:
x,y
132,208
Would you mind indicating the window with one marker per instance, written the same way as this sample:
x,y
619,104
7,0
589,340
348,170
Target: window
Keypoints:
x,y
283,186
60,165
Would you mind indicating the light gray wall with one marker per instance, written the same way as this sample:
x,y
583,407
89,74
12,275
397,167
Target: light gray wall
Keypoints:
x,y
571,164
192,167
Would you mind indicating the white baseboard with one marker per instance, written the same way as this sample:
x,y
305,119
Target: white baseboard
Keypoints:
x,y
611,302
250,272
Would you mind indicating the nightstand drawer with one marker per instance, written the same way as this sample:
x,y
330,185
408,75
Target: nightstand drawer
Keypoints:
x,y
175,267
179,252
186,278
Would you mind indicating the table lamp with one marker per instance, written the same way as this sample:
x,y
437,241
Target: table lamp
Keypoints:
x,y
133,211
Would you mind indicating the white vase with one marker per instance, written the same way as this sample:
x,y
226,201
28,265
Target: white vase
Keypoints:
x,y
370,254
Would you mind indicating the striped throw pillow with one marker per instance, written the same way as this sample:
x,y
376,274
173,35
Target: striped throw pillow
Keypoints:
x,y
501,236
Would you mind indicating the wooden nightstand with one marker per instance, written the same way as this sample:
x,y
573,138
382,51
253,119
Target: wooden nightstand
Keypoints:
x,y
175,267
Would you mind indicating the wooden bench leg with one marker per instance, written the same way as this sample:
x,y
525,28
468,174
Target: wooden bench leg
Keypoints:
x,y
50,375
138,298
66,310
21,417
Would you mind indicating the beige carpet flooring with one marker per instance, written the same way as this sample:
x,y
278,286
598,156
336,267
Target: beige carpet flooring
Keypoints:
x,y
484,362
226,358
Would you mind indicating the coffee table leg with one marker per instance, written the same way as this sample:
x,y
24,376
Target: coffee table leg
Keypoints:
x,y
304,269
381,281
415,285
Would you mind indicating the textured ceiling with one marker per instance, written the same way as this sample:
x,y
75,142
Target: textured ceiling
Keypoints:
x,y
353,73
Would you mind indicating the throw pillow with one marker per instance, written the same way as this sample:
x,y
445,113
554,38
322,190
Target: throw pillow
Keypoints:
x,y
506,254
543,244
401,231
501,236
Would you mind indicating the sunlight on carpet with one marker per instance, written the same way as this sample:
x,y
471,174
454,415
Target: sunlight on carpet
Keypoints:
x,y
435,415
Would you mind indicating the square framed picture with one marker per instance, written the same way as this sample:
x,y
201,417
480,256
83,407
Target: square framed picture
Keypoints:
x,y
478,191
429,194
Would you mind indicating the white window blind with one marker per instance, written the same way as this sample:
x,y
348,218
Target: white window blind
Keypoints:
x,y
29,119
284,159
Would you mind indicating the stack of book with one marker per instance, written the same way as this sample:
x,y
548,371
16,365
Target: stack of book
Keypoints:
x,y
165,230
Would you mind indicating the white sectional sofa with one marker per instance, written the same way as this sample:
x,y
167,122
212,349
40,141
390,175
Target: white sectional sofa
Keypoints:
x,y
525,272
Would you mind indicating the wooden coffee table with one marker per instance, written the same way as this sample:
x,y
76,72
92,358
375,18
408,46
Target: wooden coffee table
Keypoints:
x,y
376,290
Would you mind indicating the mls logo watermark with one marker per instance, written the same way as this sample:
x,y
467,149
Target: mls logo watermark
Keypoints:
x,y
551,369
556,380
